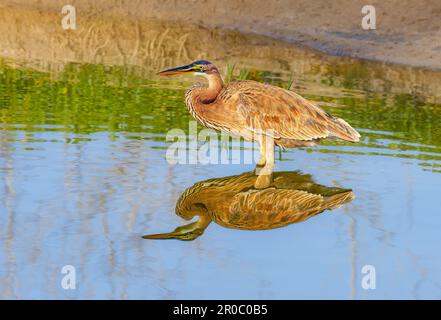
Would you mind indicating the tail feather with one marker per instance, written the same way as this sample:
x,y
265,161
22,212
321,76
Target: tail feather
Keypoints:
x,y
342,130
337,200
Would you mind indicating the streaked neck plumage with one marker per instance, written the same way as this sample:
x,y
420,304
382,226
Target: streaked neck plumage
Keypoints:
x,y
208,94
199,98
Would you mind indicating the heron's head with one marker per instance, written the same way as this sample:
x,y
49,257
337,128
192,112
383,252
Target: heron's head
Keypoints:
x,y
199,67
186,233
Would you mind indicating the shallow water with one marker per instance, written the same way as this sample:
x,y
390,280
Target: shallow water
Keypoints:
x,y
83,175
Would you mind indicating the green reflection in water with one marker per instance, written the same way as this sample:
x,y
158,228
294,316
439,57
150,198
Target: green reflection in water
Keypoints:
x,y
95,98
85,99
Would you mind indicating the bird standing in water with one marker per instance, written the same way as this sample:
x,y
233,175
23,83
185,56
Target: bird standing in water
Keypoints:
x,y
259,112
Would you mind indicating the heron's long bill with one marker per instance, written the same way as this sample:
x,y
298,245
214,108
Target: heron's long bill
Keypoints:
x,y
186,235
179,70
168,235
187,232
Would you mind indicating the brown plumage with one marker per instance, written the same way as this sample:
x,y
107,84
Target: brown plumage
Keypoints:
x,y
249,107
260,112
233,202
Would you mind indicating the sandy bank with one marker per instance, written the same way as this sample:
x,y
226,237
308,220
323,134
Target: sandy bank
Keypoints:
x,y
408,31
33,36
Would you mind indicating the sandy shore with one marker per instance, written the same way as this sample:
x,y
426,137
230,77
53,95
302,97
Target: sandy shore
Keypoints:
x,y
32,36
408,31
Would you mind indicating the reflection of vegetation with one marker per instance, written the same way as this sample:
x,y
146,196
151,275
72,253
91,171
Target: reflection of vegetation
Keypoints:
x,y
350,76
409,120
90,98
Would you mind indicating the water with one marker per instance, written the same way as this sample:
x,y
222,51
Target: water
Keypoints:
x,y
83,176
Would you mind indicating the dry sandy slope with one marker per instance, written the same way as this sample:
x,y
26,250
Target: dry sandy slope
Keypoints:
x,y
34,38
408,31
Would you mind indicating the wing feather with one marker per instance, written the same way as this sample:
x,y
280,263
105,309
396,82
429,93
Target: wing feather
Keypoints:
x,y
284,114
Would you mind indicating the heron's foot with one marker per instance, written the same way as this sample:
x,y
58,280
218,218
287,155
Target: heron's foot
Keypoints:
x,y
262,169
263,181
259,166
258,169
261,162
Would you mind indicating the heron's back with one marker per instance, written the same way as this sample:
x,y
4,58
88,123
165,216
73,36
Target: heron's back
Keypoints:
x,y
292,120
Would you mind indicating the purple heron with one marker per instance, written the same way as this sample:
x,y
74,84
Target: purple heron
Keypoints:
x,y
233,202
259,112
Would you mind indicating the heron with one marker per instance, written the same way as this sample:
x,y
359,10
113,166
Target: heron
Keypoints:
x,y
258,112
233,202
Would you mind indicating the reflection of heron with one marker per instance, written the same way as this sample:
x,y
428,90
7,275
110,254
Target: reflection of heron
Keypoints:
x,y
267,114
233,202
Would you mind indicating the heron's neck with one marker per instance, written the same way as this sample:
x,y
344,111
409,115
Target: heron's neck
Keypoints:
x,y
209,94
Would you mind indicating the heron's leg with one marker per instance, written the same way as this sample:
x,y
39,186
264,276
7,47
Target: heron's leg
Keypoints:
x,y
269,155
265,174
262,147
